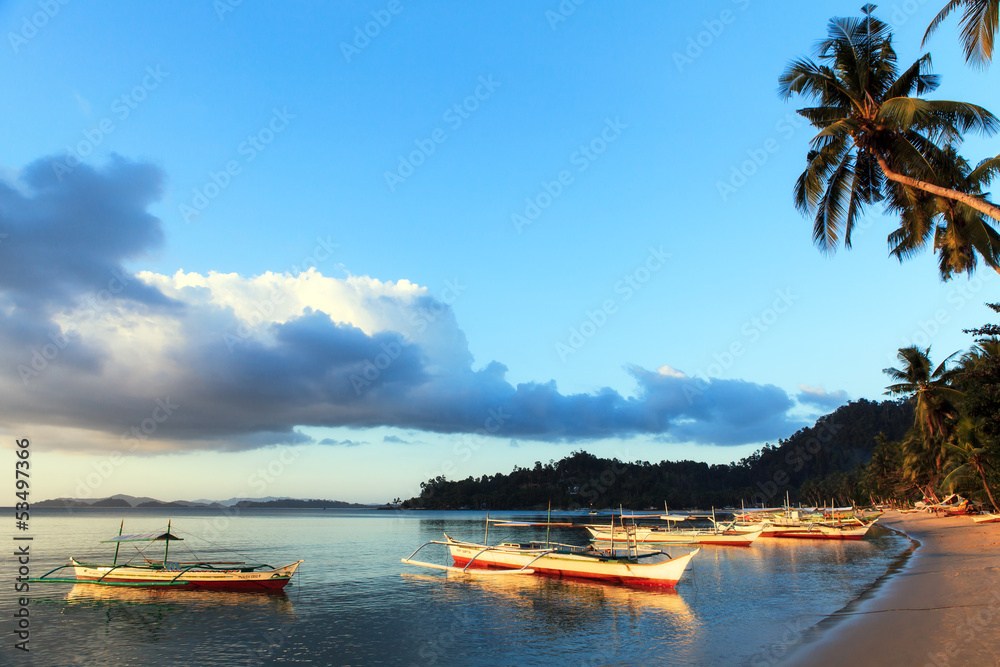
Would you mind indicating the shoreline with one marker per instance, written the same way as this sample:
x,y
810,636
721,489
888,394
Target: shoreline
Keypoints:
x,y
941,608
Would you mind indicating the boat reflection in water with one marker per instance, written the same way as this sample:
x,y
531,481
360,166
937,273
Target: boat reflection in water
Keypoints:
x,y
144,610
535,608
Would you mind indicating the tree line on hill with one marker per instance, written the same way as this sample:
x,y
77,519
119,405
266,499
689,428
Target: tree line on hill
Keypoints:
x,y
818,463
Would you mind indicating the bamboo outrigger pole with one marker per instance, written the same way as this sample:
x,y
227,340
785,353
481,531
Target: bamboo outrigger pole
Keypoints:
x,y
118,545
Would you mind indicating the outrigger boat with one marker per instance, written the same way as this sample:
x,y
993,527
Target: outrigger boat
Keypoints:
x,y
209,575
644,569
799,524
632,565
668,535
717,535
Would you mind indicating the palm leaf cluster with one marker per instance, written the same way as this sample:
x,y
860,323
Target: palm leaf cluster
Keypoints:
x,y
950,444
979,24
880,142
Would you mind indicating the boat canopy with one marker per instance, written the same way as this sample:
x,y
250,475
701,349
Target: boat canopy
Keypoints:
x,y
144,537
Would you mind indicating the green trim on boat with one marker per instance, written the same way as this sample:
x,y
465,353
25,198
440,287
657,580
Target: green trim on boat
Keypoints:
x,y
98,582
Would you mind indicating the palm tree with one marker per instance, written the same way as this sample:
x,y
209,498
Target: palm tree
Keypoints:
x,y
979,28
972,457
960,234
877,143
934,413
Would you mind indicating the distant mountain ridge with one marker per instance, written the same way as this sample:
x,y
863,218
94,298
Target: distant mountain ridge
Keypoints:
x,y
123,500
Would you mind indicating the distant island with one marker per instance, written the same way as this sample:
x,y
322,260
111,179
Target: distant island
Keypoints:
x,y
126,501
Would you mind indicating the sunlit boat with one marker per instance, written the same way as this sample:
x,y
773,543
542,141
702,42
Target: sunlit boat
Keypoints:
x,y
648,568
820,531
667,535
813,523
205,575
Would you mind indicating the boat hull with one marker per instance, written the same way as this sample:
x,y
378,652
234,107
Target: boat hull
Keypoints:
x,y
665,573
678,537
176,578
820,533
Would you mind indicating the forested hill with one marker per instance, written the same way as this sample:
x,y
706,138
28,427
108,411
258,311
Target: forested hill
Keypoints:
x,y
816,464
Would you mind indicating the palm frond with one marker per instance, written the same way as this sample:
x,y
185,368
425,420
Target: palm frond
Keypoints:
x,y
941,16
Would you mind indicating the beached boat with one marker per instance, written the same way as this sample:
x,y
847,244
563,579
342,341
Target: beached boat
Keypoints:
x,y
668,535
987,518
820,531
805,523
147,573
649,568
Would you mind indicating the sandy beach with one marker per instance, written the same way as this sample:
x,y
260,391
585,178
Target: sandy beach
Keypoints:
x,y
942,608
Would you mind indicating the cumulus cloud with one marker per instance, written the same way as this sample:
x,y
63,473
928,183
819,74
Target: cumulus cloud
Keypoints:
x,y
821,398
224,361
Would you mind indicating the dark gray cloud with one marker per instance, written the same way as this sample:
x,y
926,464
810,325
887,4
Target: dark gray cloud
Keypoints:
x,y
215,382
340,443
70,235
63,245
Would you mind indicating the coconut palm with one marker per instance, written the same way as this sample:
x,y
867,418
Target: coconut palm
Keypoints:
x,y
979,28
934,399
960,234
985,350
878,141
971,457
935,404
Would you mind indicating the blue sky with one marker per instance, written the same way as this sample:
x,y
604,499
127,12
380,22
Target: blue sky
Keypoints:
x,y
580,221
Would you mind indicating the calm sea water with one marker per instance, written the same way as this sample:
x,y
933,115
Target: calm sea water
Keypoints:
x,y
354,603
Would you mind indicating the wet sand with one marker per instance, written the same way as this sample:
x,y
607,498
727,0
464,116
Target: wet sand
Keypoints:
x,y
941,609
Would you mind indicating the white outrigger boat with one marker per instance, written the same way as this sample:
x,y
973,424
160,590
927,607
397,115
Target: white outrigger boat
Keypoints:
x,y
808,523
635,567
208,575
717,534
666,535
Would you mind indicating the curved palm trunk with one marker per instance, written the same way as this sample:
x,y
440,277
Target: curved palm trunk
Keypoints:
x,y
970,200
986,486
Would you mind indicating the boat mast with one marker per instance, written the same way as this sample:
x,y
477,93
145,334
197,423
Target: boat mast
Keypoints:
x,y
486,538
118,544
548,524
166,544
